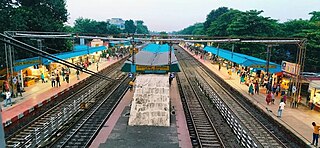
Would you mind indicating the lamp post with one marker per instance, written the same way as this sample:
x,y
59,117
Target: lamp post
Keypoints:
x,y
268,58
170,47
133,50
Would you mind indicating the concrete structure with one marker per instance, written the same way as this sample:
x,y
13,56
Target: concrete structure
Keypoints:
x,y
151,101
119,22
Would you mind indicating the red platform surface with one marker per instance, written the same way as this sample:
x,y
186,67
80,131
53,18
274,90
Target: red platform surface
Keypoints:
x,y
41,93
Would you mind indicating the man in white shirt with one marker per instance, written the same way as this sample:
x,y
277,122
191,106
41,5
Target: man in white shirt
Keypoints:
x,y
281,108
8,98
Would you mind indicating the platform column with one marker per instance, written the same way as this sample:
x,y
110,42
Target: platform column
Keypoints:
x,y
2,139
170,47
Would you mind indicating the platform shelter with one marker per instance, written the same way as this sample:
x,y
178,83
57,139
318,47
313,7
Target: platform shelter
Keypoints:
x,y
153,58
242,59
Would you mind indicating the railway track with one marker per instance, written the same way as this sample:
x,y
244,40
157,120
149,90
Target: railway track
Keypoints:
x,y
34,133
82,133
201,129
249,124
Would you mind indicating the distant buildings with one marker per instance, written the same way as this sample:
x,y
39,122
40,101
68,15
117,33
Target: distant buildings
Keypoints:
x,y
119,22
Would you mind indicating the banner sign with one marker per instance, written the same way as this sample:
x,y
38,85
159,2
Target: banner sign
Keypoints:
x,y
152,68
28,62
263,66
291,68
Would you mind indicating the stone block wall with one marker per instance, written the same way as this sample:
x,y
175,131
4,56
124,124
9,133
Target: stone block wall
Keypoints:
x,y
151,101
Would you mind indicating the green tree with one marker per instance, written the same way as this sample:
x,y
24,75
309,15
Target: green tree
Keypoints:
x,y
251,23
315,16
84,25
35,15
220,25
141,28
112,29
295,28
213,15
195,29
129,26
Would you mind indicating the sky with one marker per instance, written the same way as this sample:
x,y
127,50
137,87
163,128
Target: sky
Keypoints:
x,y
174,15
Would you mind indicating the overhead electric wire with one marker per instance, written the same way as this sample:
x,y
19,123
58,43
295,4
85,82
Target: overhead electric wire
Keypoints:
x,y
49,56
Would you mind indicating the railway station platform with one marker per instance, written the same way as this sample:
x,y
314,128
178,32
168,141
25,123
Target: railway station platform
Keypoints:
x,y
117,133
40,93
297,120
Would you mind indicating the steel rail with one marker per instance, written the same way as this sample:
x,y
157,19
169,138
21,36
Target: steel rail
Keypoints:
x,y
203,139
97,116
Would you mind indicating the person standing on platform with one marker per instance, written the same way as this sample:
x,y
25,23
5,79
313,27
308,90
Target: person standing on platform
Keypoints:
x,y
78,73
268,98
308,99
53,80
315,134
219,66
298,101
42,78
85,65
63,73
131,83
278,89
251,89
229,73
171,76
8,99
256,87
5,86
97,66
284,98
281,108
67,77
272,98
274,88
242,78
19,91
313,102
58,80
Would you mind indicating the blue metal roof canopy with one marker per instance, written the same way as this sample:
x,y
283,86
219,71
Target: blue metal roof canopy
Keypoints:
x,y
156,48
243,59
153,58
79,51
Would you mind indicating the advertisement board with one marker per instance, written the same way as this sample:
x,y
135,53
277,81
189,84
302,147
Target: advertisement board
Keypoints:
x,y
152,68
291,68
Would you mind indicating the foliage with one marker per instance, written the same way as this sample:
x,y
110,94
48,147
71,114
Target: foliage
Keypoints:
x,y
213,15
196,29
129,26
84,25
315,16
35,15
251,24
141,28
225,22
220,25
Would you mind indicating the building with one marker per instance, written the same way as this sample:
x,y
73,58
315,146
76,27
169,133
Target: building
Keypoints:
x,y
119,22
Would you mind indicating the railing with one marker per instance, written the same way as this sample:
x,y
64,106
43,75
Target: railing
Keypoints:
x,y
37,135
